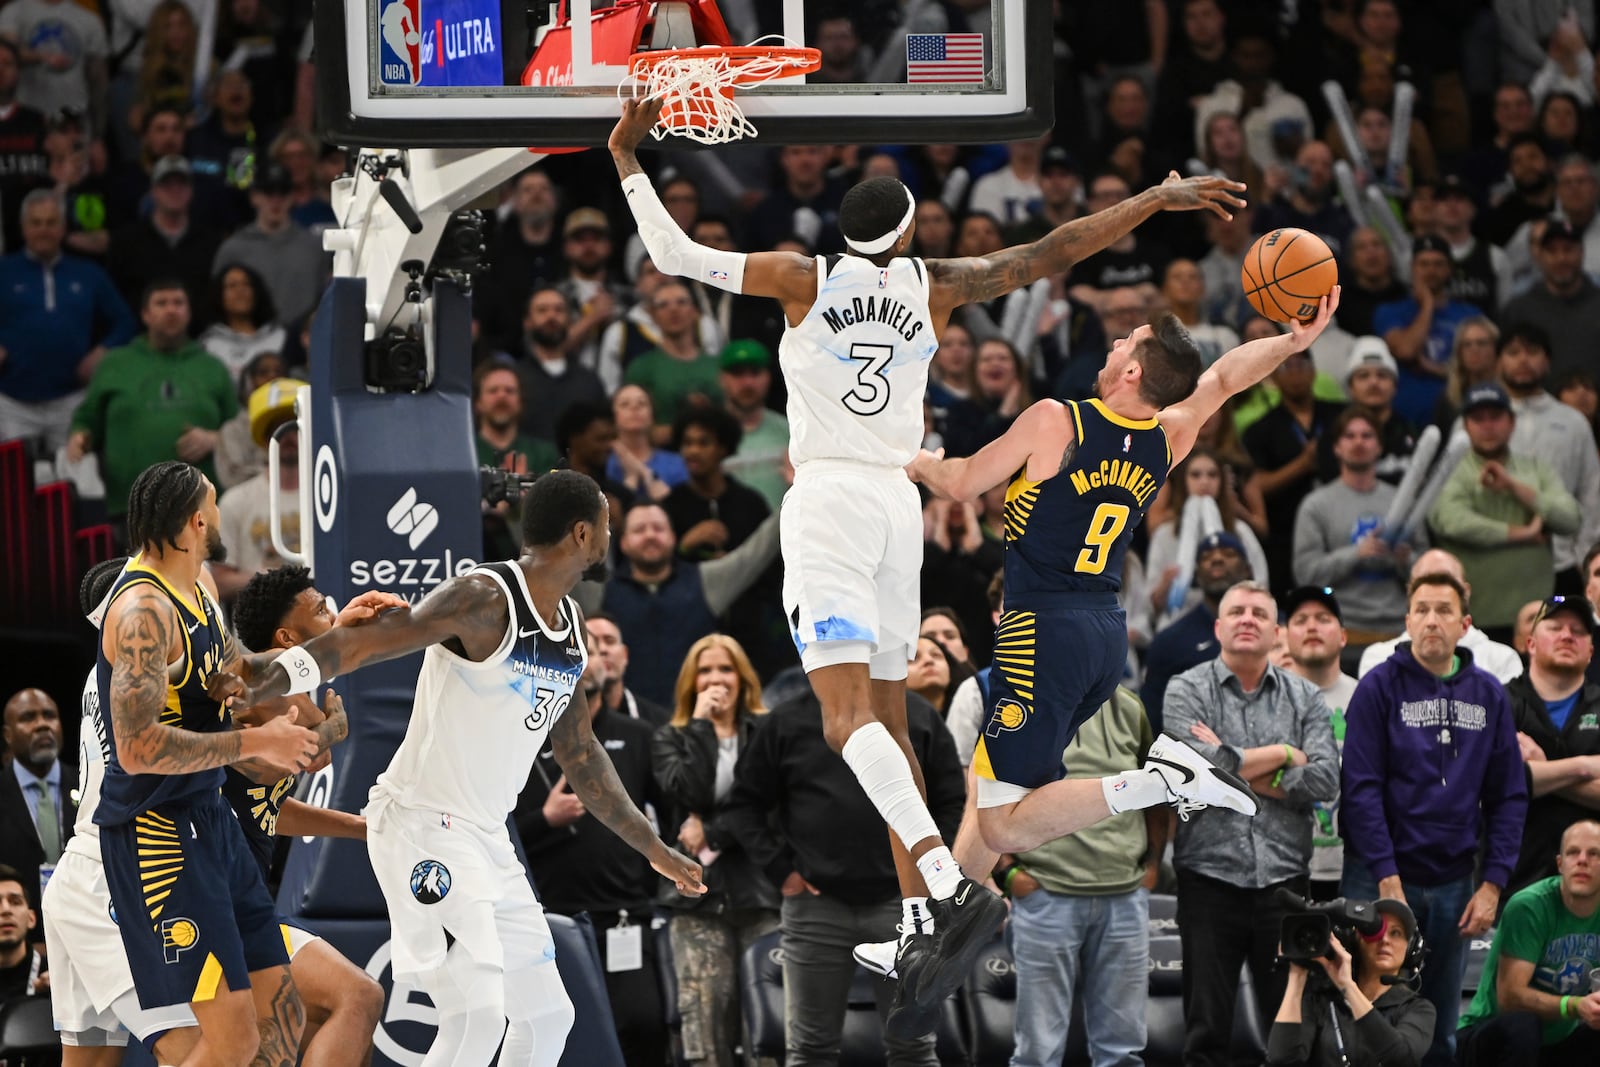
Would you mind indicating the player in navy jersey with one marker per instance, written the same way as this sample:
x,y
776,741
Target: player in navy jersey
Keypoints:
x,y
194,915
1082,476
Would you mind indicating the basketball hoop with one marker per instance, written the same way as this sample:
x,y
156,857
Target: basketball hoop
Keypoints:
x,y
697,85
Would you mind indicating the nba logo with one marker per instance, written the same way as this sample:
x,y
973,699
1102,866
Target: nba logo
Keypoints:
x,y
400,61
883,279
1127,442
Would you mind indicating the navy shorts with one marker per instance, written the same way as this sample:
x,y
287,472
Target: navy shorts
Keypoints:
x,y
1053,668
189,902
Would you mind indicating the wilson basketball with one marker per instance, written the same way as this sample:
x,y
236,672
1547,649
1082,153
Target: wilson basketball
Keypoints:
x,y
1286,272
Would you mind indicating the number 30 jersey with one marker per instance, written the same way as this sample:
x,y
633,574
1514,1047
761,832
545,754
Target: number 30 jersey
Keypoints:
x,y
857,364
1069,533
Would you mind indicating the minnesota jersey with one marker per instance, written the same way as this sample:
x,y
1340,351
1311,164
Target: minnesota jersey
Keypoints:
x,y
857,364
1070,532
476,727
94,748
257,808
125,795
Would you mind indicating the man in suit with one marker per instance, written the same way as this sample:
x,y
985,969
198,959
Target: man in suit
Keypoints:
x,y
37,808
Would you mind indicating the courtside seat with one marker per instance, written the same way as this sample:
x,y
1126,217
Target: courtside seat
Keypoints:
x,y
1163,915
27,1031
761,997
990,998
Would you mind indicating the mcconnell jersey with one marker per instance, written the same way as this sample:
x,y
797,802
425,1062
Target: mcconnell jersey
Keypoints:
x,y
476,727
125,795
1069,533
857,364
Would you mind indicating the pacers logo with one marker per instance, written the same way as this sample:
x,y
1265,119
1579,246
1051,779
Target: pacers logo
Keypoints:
x,y
178,936
412,519
325,489
1008,715
430,881
401,28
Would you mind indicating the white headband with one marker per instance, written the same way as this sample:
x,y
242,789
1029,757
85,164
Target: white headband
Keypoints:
x,y
886,242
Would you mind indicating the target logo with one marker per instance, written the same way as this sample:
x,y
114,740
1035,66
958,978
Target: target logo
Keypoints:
x,y
319,792
325,489
408,1010
413,519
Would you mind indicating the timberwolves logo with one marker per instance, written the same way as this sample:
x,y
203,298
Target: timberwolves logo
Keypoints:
x,y
430,881
1008,715
400,59
177,937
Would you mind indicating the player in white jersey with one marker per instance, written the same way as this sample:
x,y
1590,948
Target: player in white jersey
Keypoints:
x,y
861,329
505,653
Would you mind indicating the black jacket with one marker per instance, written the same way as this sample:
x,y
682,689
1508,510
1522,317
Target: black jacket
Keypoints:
x,y
19,840
686,768
796,806
1550,815
1395,1033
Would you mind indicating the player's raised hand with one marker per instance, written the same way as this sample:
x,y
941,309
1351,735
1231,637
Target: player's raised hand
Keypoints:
x,y
1201,192
678,869
369,606
282,745
639,115
1306,332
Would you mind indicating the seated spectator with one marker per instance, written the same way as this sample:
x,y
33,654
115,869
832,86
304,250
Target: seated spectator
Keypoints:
x,y
1564,301
38,791
1191,639
1220,433
1420,329
58,314
1011,194
935,674
647,472
26,132
160,397
1201,474
167,74
586,436
763,451
1183,289
1372,379
246,319
1488,165
237,456
934,236
943,625
63,53
1001,393
1529,193
297,152
612,654
717,713
1472,363
1577,390
82,188
805,202
1275,120
1498,659
1129,260
1060,201
1498,511
287,257
1309,202
1367,281
594,296
1536,1003
546,368
712,512
169,241
1221,266
952,372
246,509
526,252
223,145
1562,123
1362,1008
128,182
1222,148
24,967
1576,201
678,373
959,559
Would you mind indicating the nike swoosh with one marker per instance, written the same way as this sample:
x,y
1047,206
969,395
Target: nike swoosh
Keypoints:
x,y
526,633
1188,775
961,897
195,627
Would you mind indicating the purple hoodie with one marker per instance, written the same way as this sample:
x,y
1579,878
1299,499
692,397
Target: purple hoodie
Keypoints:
x,y
1430,766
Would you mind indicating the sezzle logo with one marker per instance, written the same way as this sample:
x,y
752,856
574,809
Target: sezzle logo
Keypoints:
x,y
415,576
401,29
413,519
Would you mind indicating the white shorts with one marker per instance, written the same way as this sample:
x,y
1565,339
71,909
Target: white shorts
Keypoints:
x,y
440,875
852,565
91,987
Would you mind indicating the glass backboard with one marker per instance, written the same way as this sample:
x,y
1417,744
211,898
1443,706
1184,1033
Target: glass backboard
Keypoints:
x,y
464,73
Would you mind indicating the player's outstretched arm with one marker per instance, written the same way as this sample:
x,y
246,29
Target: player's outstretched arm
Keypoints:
x,y
783,276
975,279
139,637
1237,370
1043,429
593,777
469,609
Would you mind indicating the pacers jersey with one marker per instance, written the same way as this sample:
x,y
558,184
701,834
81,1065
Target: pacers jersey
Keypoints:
x,y
94,748
125,795
257,807
857,364
476,727
1070,532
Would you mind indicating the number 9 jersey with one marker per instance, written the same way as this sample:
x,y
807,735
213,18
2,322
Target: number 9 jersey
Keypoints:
x,y
857,364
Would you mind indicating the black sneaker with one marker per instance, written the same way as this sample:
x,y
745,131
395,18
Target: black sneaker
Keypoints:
x,y
962,925
918,957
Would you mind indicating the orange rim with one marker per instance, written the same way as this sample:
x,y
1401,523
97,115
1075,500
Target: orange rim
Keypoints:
x,y
803,60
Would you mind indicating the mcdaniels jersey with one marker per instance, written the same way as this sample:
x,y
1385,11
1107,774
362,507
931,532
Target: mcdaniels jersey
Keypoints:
x,y
476,727
857,364
94,748
1069,533
125,795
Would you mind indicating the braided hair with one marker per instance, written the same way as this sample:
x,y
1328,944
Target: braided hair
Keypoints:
x,y
264,602
97,583
161,501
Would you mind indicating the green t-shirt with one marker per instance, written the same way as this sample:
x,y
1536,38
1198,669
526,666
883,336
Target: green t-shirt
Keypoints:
x,y
759,461
140,401
1563,949
670,382
540,454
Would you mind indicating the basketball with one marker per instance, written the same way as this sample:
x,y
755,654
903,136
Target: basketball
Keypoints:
x,y
413,37
1286,272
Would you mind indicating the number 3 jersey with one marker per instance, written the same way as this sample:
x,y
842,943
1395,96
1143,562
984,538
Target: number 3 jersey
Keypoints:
x,y
1069,533
476,727
857,364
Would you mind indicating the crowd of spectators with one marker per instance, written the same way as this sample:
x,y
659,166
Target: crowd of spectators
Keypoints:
x,y
160,258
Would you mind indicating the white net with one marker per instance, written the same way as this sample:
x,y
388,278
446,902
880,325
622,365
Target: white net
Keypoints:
x,y
697,85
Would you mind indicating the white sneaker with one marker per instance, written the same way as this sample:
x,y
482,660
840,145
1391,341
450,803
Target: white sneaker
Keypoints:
x,y
878,957
1194,782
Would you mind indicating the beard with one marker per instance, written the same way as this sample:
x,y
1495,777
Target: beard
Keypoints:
x,y
598,571
216,551
548,338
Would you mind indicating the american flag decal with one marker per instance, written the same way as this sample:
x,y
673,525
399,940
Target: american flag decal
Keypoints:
x,y
944,57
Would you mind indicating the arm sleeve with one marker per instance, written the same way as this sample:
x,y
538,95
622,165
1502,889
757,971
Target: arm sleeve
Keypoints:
x,y
723,580
1505,795
1366,759
670,248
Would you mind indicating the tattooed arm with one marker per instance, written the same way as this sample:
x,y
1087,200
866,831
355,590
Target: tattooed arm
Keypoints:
x,y
140,638
954,282
1041,442
468,613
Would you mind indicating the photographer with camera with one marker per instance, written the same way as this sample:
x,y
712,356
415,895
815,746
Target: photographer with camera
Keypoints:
x,y
1352,1002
